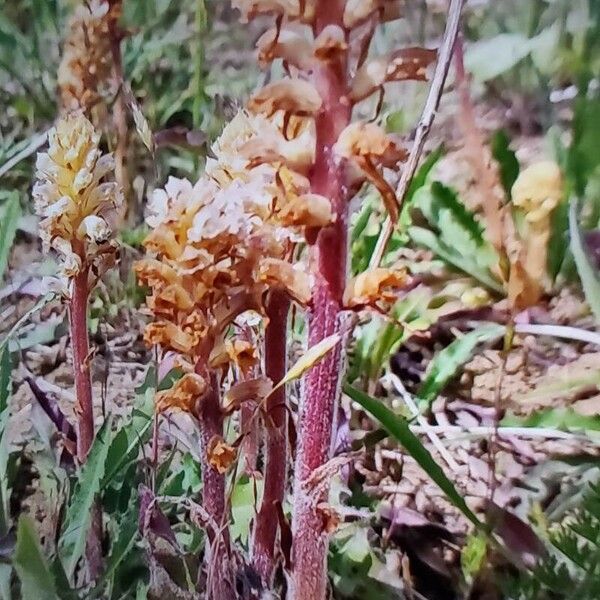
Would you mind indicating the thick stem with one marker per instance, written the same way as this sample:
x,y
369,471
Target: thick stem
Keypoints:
x,y
219,585
321,385
81,368
84,408
265,532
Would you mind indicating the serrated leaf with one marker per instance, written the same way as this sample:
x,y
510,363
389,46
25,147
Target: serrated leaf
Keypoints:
x,y
398,427
79,511
446,363
590,278
31,566
424,237
310,358
10,212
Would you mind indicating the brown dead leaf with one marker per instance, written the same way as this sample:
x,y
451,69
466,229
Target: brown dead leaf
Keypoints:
x,y
251,390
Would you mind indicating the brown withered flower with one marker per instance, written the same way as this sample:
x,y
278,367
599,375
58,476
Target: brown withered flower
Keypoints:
x,y
219,245
85,69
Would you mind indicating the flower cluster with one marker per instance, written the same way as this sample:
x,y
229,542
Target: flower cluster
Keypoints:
x,y
86,65
78,210
535,195
219,245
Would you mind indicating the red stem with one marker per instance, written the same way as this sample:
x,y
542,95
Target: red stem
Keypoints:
x,y
213,499
81,368
322,383
265,532
84,408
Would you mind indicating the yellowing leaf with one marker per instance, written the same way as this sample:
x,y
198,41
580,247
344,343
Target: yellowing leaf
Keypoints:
x,y
312,356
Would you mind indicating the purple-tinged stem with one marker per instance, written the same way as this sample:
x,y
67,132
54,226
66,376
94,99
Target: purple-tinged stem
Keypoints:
x,y
265,531
322,383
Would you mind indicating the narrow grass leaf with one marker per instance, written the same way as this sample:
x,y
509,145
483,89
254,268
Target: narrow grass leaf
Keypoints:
x,y
446,363
31,566
311,357
10,212
79,511
590,278
5,384
398,428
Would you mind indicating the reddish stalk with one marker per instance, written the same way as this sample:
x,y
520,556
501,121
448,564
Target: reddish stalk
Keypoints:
x,y
84,408
322,383
81,368
219,585
265,530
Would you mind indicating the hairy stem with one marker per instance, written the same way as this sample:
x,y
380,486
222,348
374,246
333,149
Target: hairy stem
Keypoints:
x,y
219,584
84,408
81,369
265,532
321,385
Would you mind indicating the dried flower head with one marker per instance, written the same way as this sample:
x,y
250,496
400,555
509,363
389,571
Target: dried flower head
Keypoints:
x,y
379,285
222,243
85,68
78,210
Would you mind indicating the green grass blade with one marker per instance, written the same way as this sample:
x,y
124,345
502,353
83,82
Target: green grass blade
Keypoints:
x,y
31,566
398,428
590,278
10,212
446,363
78,516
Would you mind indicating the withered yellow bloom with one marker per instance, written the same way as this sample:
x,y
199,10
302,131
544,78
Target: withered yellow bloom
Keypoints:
x,y
78,209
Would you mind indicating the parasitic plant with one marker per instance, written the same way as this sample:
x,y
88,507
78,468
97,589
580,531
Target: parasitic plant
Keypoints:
x,y
324,48
78,211
221,249
84,73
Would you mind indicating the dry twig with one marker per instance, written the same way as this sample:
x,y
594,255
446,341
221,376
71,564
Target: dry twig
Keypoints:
x,y
424,127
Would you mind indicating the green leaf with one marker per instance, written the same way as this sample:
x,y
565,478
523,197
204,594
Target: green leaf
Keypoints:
x,y
506,159
125,540
583,155
590,279
31,566
564,419
489,58
79,511
446,363
424,237
10,212
398,427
